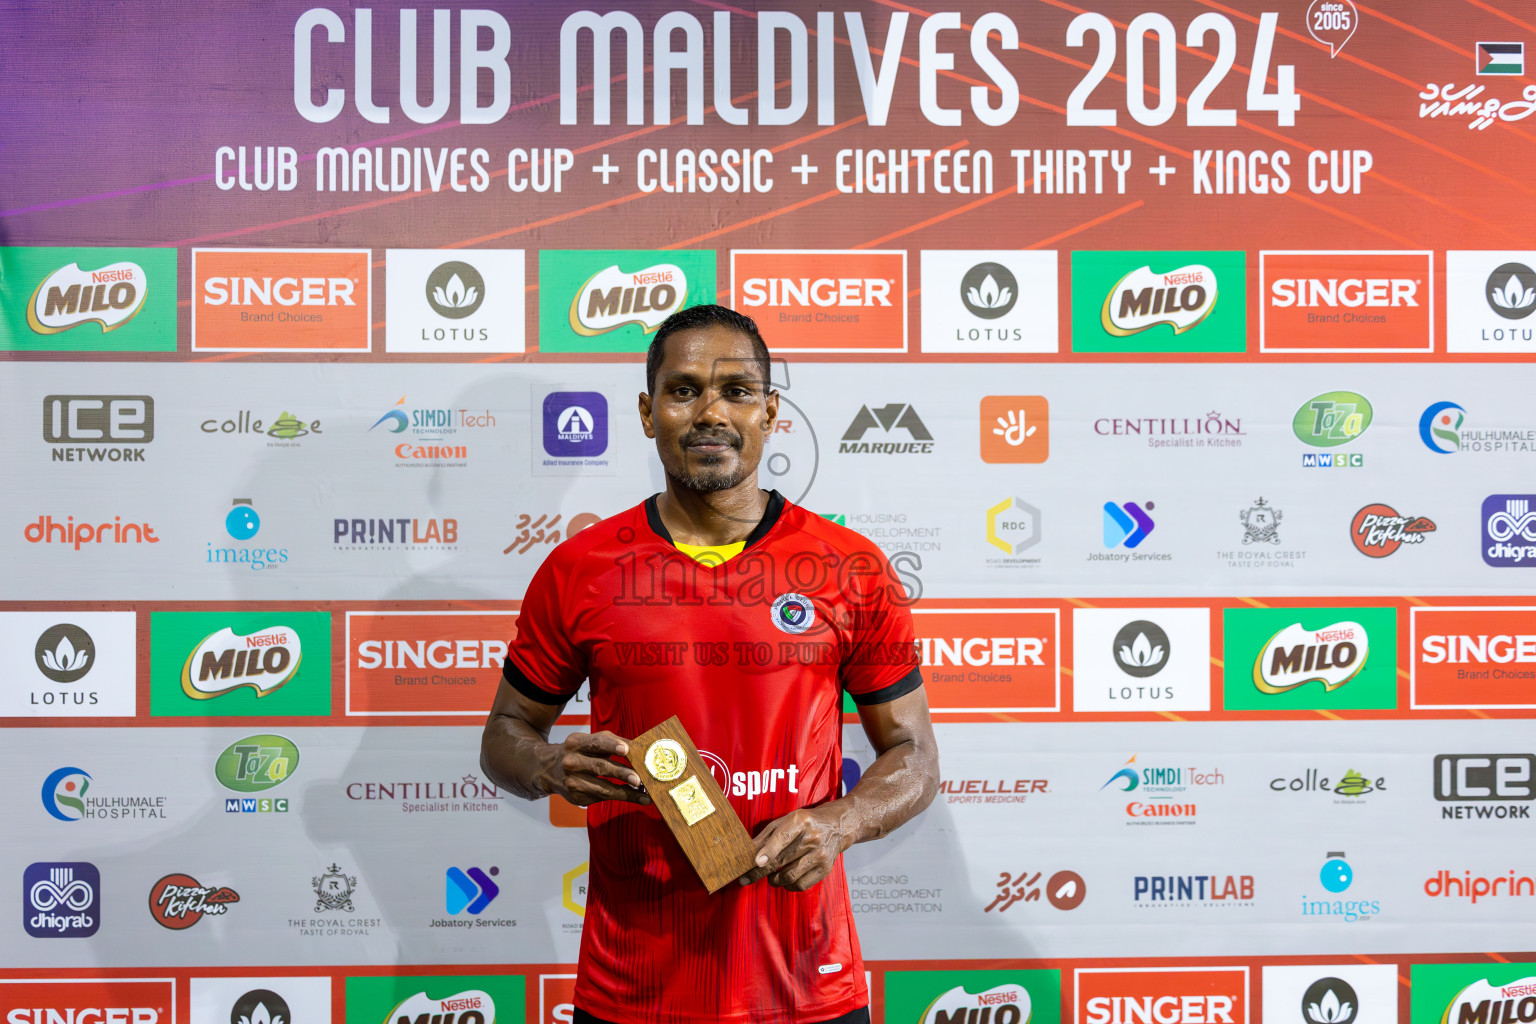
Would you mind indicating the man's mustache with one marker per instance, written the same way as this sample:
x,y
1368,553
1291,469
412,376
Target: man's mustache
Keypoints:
x,y
699,437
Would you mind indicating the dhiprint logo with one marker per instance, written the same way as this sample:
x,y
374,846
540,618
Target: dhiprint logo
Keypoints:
x,y
989,290
469,892
473,302
793,613
65,653
1015,428
1501,58
61,900
1440,426
1508,520
1378,531
1141,659
1141,649
455,290
1127,524
1511,291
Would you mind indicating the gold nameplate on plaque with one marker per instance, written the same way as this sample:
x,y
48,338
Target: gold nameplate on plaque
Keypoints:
x,y
684,791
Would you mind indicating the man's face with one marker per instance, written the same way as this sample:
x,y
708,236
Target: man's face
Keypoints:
x,y
712,411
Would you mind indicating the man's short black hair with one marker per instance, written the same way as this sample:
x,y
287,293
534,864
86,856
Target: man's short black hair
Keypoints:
x,y
703,316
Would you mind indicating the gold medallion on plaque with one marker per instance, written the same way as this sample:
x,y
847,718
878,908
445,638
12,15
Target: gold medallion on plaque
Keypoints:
x,y
692,800
665,760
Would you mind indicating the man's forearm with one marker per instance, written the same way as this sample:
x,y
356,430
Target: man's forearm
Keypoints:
x,y
896,788
514,755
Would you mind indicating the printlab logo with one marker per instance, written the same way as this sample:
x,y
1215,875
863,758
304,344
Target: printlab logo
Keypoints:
x,y
96,428
260,1006
242,523
1508,520
1064,890
1378,531
1141,649
1501,58
179,901
334,890
989,301
1127,525
886,419
61,900
1330,1001
1015,429
65,653
469,892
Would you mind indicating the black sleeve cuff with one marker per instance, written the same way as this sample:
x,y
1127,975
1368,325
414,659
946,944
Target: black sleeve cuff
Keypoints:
x,y
900,688
519,681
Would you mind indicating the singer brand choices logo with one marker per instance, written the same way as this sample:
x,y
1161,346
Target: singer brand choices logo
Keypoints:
x,y
1346,301
961,997
1173,995
613,300
61,900
1159,302
87,300
1473,657
466,999
425,663
282,300
90,1001
239,663
1295,659
825,300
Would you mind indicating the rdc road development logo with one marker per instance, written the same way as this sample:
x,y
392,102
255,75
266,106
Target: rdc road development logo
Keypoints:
x,y
989,301
88,299
1002,997
98,428
1509,530
283,300
1346,302
825,300
1378,531
793,613
1309,658
61,900
1490,299
178,901
239,663
612,300
467,301
1158,302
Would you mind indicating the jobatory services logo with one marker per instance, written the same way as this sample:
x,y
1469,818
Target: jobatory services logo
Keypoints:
x,y
61,900
1015,428
1485,786
825,300
239,663
1472,657
87,299
467,999
1330,420
466,895
990,659
603,300
1501,58
469,300
281,300
178,901
1162,995
989,300
950,997
1377,530
1509,530
1449,993
1349,993
1159,302
1292,659
425,663
261,1000
39,1000
68,795
98,428
76,664
894,419
1141,659
1490,296
1127,524
1346,301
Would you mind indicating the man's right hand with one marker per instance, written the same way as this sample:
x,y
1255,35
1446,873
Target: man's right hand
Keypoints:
x,y
579,769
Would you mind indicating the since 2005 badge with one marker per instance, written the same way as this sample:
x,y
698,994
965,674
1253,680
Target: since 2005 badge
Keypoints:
x,y
665,760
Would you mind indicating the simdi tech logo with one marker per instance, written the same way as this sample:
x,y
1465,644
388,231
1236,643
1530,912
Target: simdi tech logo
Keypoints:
x,y
1159,301
1346,301
89,1000
1472,657
612,300
1490,296
425,663
239,663
824,300
980,300
281,300
87,300
969,997
463,998
1292,659
1477,993
465,300
1161,995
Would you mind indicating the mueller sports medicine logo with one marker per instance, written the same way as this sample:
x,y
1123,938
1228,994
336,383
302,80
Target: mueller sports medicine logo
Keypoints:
x,y
1171,995
98,428
68,297
1473,657
424,663
1488,785
61,900
1142,299
286,300
894,419
226,661
825,300
1348,301
1509,530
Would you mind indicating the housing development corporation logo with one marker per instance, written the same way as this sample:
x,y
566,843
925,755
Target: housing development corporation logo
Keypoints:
x,y
1509,530
61,900
989,300
87,299
825,300
239,663
281,300
1158,302
612,300
1346,301
1309,658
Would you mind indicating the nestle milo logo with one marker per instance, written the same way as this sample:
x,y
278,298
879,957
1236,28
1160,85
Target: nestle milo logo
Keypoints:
x,y
612,298
226,661
1331,419
69,297
256,763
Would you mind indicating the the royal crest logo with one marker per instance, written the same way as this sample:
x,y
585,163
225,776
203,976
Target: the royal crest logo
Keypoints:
x,y
69,297
1142,299
793,613
612,298
333,890
179,901
1378,531
1261,523
225,661
1295,656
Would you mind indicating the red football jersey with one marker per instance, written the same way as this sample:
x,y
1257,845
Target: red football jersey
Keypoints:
x,y
752,656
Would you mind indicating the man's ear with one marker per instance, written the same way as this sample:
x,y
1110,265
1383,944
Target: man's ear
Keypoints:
x,y
772,409
645,415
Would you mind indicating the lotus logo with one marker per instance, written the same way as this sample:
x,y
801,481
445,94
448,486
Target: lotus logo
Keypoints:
x,y
1511,291
1141,648
395,419
989,290
455,290
65,652
1329,1001
260,1006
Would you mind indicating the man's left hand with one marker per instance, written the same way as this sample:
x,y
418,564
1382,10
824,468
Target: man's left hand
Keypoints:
x,y
798,850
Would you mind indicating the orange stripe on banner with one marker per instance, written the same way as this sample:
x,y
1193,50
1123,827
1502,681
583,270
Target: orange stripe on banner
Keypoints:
x,y
1479,714
1218,662
221,357
1366,959
1417,601
1010,190
1079,602
1084,226
1253,601
1330,714
1171,716
1503,14
1495,956
1357,221
1402,979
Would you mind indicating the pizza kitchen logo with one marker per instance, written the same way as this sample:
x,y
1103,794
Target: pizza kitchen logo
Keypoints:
x,y
179,901
1378,531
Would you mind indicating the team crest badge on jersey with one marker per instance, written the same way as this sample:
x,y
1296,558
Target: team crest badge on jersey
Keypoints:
x,y
793,613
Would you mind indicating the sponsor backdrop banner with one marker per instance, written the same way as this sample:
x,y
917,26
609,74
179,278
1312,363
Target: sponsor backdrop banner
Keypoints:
x,y
1178,356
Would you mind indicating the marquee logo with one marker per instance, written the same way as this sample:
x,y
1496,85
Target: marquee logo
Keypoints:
x,y
225,661
1473,657
1168,995
89,1000
61,900
87,299
613,300
970,997
1309,658
886,418
1346,301
281,300
990,659
1159,301
825,300
239,663
425,663
178,901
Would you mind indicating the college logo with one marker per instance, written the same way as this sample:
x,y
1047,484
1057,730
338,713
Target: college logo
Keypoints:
x,y
953,997
1377,530
1163,995
1330,994
61,900
472,302
1013,526
612,300
239,663
285,430
1473,657
1509,530
989,301
425,663
990,659
827,300
1490,296
1501,58
37,1001
178,901
1158,302
1126,524
83,667
1015,429
256,763
1351,785
85,423
1141,659
1309,658
87,299
1329,420
1349,301
281,300
467,999
793,613
1468,993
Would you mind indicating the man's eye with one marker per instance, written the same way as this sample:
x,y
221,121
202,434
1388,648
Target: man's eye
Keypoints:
x,y
683,392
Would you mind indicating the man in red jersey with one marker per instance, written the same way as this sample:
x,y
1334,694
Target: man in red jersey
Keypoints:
x,y
747,617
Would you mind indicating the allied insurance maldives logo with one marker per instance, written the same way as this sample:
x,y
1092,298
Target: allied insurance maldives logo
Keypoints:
x,y
1310,658
87,300
281,300
1159,302
824,300
613,300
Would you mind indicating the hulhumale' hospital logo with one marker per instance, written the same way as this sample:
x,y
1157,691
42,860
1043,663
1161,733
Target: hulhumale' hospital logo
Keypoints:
x,y
793,613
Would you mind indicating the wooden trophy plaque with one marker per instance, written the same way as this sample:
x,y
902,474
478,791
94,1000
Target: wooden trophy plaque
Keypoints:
x,y
684,790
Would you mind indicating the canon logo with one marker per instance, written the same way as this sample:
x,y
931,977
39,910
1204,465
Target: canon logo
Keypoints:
x,y
1352,291
821,291
285,291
